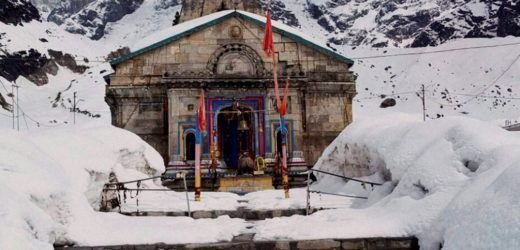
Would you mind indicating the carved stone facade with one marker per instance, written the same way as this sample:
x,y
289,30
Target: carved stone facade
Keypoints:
x,y
154,92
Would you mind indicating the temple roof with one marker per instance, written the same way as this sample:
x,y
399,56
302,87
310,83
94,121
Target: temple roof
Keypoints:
x,y
181,30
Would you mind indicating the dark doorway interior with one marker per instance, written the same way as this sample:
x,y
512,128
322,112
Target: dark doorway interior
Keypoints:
x,y
233,140
279,144
190,147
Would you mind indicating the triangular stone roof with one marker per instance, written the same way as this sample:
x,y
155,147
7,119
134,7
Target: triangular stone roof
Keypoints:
x,y
181,30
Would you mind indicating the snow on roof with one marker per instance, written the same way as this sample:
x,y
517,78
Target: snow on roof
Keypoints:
x,y
176,32
178,29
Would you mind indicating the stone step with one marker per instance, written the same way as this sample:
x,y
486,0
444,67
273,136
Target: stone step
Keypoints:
x,y
246,242
241,213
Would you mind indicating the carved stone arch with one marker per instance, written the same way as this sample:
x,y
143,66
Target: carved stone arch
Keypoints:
x,y
236,60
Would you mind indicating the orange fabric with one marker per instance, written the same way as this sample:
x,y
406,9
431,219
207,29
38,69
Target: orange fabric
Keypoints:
x,y
268,36
283,108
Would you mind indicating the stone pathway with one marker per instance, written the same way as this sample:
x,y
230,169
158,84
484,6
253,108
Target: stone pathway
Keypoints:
x,y
241,212
245,241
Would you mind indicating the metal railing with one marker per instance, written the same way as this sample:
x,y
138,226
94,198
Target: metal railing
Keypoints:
x,y
120,186
309,191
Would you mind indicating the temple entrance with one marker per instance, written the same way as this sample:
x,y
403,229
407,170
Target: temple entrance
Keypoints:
x,y
190,147
236,134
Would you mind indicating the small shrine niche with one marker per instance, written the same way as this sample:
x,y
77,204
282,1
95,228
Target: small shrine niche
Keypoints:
x,y
235,64
236,60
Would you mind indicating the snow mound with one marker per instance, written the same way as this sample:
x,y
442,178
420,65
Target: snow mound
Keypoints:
x,y
450,182
52,179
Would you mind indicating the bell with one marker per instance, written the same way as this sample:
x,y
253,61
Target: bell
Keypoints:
x,y
242,126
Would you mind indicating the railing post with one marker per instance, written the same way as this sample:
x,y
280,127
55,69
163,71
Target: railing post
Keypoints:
x,y
186,191
308,205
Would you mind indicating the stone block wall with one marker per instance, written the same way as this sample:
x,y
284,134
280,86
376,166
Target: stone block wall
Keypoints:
x,y
321,89
189,57
142,111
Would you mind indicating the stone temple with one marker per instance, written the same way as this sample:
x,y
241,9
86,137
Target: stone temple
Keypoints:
x,y
217,47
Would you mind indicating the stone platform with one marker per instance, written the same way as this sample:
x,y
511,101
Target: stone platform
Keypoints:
x,y
245,183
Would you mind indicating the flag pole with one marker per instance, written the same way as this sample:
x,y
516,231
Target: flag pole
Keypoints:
x,y
268,47
197,161
285,176
283,129
200,126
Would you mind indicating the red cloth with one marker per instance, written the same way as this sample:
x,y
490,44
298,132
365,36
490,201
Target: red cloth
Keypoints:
x,y
202,112
268,36
268,48
283,108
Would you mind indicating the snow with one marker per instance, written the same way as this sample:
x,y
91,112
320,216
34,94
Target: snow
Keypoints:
x,y
463,73
177,29
51,184
478,9
451,182
118,229
366,23
223,201
51,178
140,25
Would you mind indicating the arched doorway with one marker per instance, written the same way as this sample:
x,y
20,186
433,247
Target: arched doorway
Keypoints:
x,y
189,146
279,144
236,133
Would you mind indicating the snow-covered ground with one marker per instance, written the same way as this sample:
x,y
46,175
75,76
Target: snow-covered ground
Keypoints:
x,y
479,83
260,200
451,182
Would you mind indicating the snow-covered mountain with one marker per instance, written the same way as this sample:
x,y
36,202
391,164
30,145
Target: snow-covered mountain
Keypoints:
x,y
379,23
91,17
414,23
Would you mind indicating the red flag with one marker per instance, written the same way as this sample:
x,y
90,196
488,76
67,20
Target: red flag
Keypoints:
x,y
268,48
268,36
202,112
283,108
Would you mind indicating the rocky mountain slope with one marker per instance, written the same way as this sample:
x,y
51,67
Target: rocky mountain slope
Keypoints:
x,y
90,17
414,23
378,23
18,12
